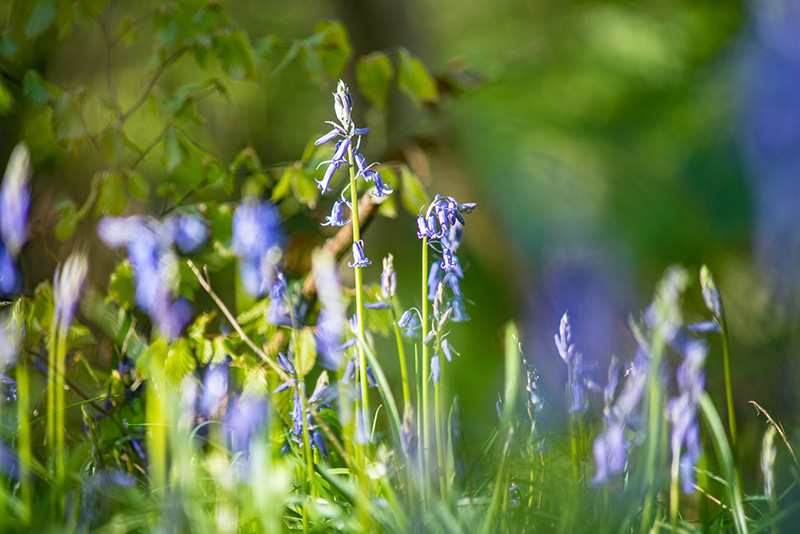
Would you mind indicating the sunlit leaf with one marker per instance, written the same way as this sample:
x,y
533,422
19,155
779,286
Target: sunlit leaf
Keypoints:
x,y
67,219
306,351
414,79
180,361
374,72
112,198
412,193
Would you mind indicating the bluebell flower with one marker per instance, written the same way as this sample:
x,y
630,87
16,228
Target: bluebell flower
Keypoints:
x,y
459,313
388,278
15,200
278,312
343,104
325,183
10,282
409,322
67,285
336,218
682,412
704,327
215,388
247,418
333,312
710,293
155,268
447,350
189,232
257,240
574,361
328,137
610,447
360,259
435,368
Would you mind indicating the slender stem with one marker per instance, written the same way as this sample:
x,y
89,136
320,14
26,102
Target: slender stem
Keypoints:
x,y
426,438
401,356
300,386
438,418
51,390
673,490
654,430
726,362
156,426
25,456
60,370
362,359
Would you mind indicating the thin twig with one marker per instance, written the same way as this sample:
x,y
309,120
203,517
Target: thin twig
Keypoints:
x,y
779,428
143,98
206,285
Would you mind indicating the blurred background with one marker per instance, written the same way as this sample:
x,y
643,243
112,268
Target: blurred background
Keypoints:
x,y
602,140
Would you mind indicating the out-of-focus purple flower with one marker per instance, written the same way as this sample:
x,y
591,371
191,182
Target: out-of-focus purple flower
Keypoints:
x,y
15,200
435,369
610,447
459,314
215,388
10,281
682,412
336,218
409,322
278,311
611,385
155,268
257,240
67,285
360,259
331,320
188,232
447,350
576,388
8,387
388,278
245,420
325,183
704,327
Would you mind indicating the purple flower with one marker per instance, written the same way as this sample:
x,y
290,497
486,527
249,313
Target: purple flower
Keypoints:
x,y
435,369
215,388
409,322
336,218
331,320
325,183
343,104
245,421
67,285
15,200
388,278
574,361
682,412
446,350
155,268
189,232
360,259
278,311
10,281
328,137
610,452
257,240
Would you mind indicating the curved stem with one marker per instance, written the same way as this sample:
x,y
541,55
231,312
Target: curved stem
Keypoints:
x,y
426,438
362,360
726,362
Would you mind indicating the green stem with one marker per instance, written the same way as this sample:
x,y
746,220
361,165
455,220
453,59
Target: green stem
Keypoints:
x,y
674,496
426,438
25,456
301,394
60,372
51,389
362,360
654,415
726,362
401,355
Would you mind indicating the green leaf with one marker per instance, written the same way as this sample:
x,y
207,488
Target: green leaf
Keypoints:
x,y
373,73
314,66
247,158
113,198
334,48
174,151
303,186
121,288
282,188
67,219
412,193
156,351
180,361
67,123
42,16
8,48
35,88
138,186
414,79
306,351
6,100
235,53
